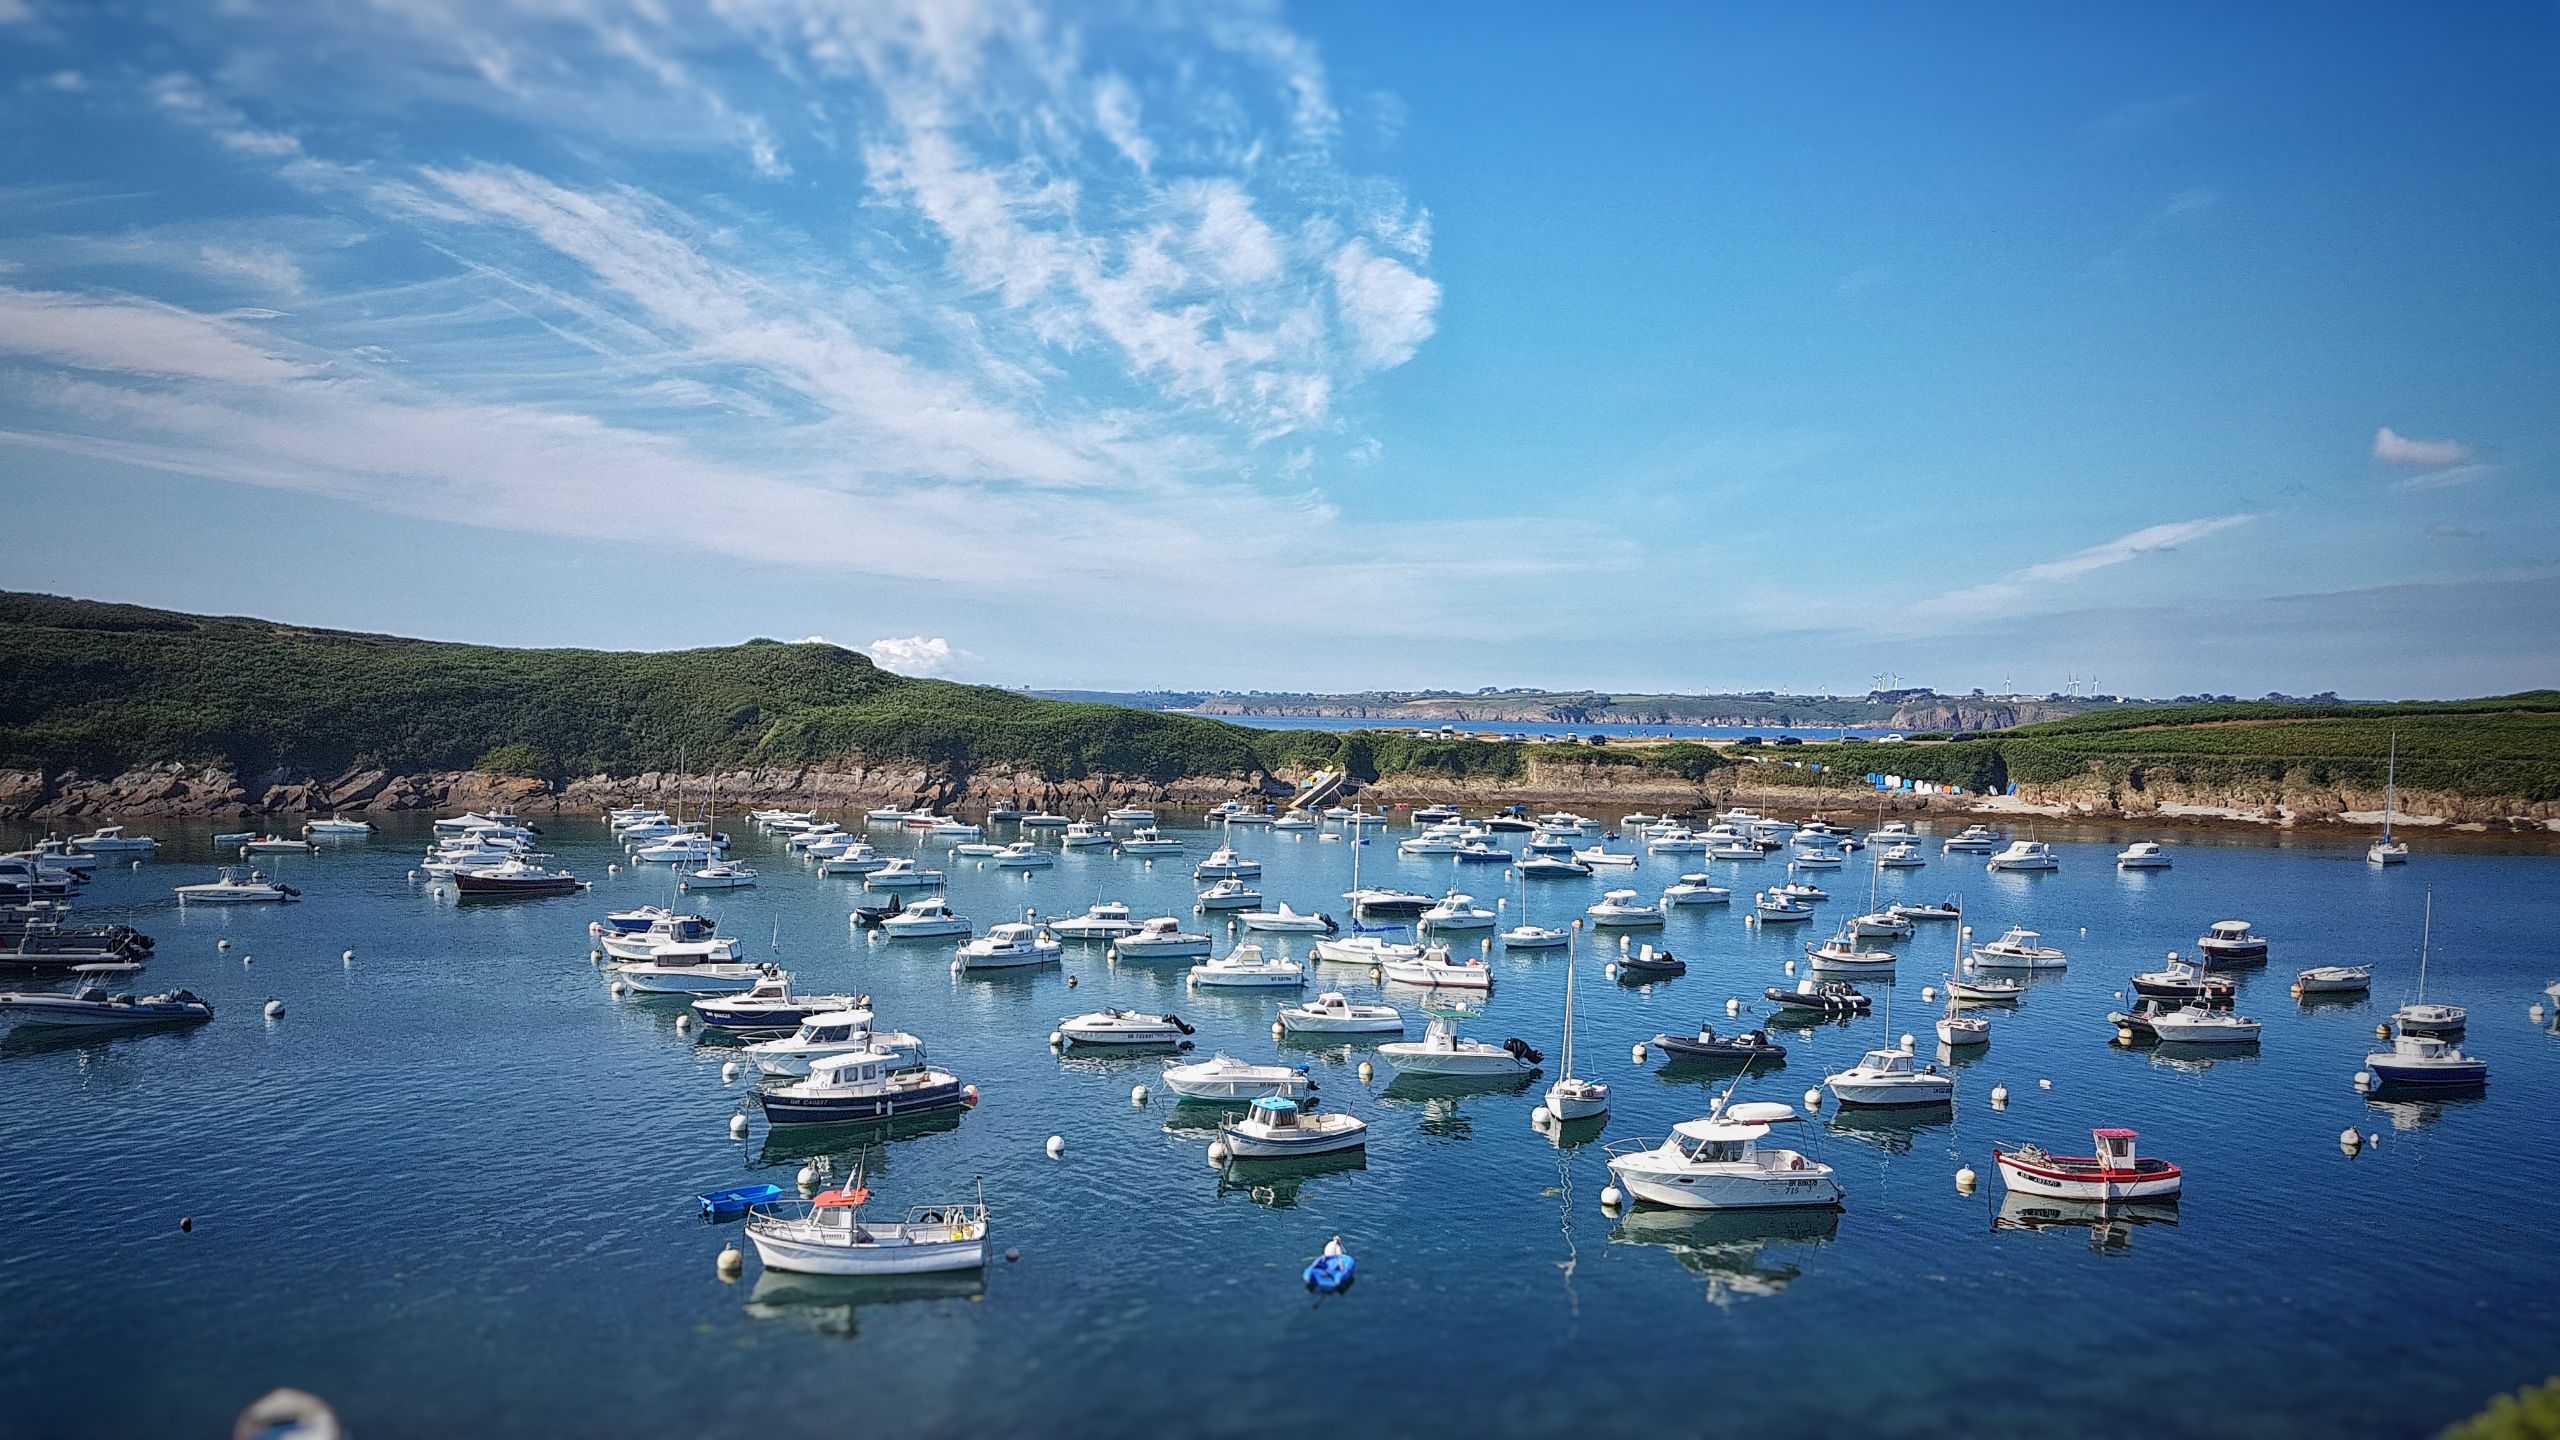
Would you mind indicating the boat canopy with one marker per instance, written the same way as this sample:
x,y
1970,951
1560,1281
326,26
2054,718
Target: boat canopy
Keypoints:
x,y
845,1069
1760,1112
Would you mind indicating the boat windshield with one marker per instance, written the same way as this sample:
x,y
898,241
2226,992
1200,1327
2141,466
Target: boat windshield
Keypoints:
x,y
1709,1152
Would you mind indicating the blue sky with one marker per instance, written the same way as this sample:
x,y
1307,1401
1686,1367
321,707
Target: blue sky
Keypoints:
x,y
1636,348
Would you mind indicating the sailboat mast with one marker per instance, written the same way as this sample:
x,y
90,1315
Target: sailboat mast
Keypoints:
x,y
2390,786
2426,933
1569,948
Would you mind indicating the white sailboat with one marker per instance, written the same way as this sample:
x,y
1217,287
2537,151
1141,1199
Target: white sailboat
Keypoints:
x,y
2385,850
1572,1097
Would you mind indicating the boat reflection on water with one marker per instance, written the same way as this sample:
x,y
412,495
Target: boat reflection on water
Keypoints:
x,y
1440,1099
1724,1247
1277,1183
831,1304
1574,1134
791,1144
2110,1223
2314,1000
2413,1107
1888,1128
2193,1059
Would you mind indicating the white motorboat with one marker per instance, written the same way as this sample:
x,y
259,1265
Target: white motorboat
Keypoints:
x,y
1892,832
664,933
1373,900
682,850
901,873
1600,857
1147,840
237,886
827,847
1023,855
1223,1077
1287,921
1533,937
1107,921
2114,1173
1224,863
1438,840
1977,839
2024,855
1131,815
1678,840
824,1036
2231,942
1458,912
1364,950
831,1236
1436,815
1986,992
1247,968
976,850
885,815
1230,894
1333,1013
855,859
1696,889
1890,1077
1905,856
338,826
698,967
1442,1051
1275,1129
947,829
1123,1027
1043,820
111,840
2199,1025
1548,867
770,1005
1772,907
92,1007
278,845
2143,855
2018,949
2425,1060
813,836
1162,938
2421,1016
1840,955
1572,1097
1009,946
1434,968
2385,850
1942,910
1623,910
1549,842
1719,1164
1883,925
1564,822
719,875
1817,859
928,919
2334,980
1294,820
870,1086
1738,851
1083,834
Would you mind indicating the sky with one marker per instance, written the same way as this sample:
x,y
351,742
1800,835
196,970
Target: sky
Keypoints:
x,y
2146,349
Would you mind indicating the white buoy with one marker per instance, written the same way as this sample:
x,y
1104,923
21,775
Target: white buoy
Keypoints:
x,y
1537,1117
2349,1140
971,1091
221,944
1732,1005
1623,942
613,869
248,959
683,1023
2363,1078
1966,1179
1611,1197
1813,1098
732,1261
1137,1094
808,1177
413,874
1908,1043
1636,1052
1057,1146
1791,967
275,1010
2373,1137
729,1072
2533,1013
1928,992
1217,1152
2044,1084
737,1127
1999,1096
1057,1038
1368,1072
347,957
1610,970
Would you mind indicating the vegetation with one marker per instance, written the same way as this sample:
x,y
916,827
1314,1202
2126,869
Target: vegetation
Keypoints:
x,y
2532,1413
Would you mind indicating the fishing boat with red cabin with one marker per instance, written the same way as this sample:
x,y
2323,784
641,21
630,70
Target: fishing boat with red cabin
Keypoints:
x,y
2114,1173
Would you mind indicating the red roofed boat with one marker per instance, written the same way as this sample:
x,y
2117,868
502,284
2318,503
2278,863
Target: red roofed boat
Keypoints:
x,y
2114,1173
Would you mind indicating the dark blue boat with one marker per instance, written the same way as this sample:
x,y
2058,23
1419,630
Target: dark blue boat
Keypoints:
x,y
733,1202
868,1086
1330,1274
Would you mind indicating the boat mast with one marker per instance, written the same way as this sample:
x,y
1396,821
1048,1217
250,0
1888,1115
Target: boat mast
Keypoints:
x,y
2426,932
1572,936
2390,788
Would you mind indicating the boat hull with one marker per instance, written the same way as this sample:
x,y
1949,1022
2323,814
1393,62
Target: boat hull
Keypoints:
x,y
783,1108
780,1250
1766,1191
1242,1145
2080,1178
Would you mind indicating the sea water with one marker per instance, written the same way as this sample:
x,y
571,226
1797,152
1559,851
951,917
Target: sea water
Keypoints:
x,y
452,1188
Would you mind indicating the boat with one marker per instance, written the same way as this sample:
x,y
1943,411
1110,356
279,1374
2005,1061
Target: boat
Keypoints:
x,y
1147,840
235,837
2385,850
664,933
1990,990
976,850
1429,815
885,815
2421,1016
1533,937
2200,1025
1891,1077
2114,1173
1600,857
1333,1013
769,1004
682,850
1678,840
928,919
1840,955
1246,968
636,921
1829,997
812,838
1224,863
2018,949
702,967
1434,968
1276,1129
2232,942
1287,921
2334,980
1547,842
1771,907
278,845
1223,1077
1975,839
514,877
825,1036
2415,1059
1942,910
1718,1163
1364,950
736,1200
1817,859
954,830
1696,889
1893,832
1043,820
1883,925
1571,1097
1123,1027
1958,1030
1374,901
870,1085
2142,855
1477,852
1438,840
1442,1051
1548,867
1293,820
830,1235
1024,855
1706,1044
111,840
93,1007
1904,856
867,916
1332,1272
1010,946
901,874
719,875
1230,894
2024,855
854,859
1799,892
1084,833
2181,980
1622,910
1162,938
1458,912
1648,963
1106,921
238,885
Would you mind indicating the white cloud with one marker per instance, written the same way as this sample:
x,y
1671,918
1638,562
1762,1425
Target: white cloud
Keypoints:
x,y
1386,307
131,337
2019,589
2401,452
263,266
1115,112
913,655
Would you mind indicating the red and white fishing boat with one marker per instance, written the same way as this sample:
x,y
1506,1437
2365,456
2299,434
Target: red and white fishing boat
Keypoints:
x,y
2114,1173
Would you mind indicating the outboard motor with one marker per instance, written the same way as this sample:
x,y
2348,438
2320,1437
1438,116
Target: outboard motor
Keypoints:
x,y
1176,1022
1521,1050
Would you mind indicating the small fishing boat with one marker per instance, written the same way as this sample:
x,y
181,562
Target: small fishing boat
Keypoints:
x,y
1276,1129
1772,908
1107,921
1230,894
719,875
1958,1030
1331,1272
2142,855
1224,863
2027,855
1601,858
823,1037
234,837
870,914
1840,955
277,845
1223,1077
1942,910
1124,1028
1548,867
866,1086
1832,997
1708,1045
1084,834
769,1004
1696,889
237,886
2114,1173
930,918
1043,820
901,873
1162,938
1676,840
1647,963
665,931
338,826
1458,912
2018,949
1147,840
1333,1013
2334,980
638,920
1434,968
703,967
1293,820
854,859
1549,844
93,1007
1388,903
1533,937
514,877
1287,921
1364,950
1975,839
1904,856
2198,1025
2425,1060
1818,859
111,840
1247,968
2181,980
1891,1077
2232,942
1024,855
1718,1163
1622,910
733,1202
1478,852
1010,946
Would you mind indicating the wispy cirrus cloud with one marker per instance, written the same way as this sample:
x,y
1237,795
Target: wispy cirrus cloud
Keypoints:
x,y
2427,464
2023,588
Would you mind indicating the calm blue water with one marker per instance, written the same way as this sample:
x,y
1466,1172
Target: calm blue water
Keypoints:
x,y
1546,729
451,1190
